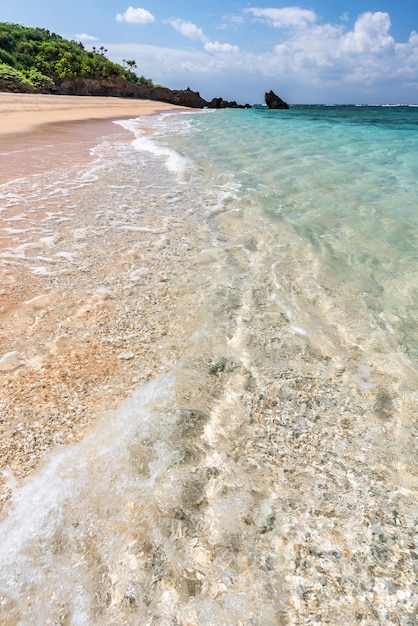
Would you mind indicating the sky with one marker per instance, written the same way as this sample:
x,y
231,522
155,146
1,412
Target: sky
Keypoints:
x,y
318,51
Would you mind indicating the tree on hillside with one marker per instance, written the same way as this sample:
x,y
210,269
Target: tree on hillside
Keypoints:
x,y
44,60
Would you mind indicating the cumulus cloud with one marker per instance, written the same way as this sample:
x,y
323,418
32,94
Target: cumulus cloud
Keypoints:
x,y
288,17
368,48
370,34
188,29
312,61
135,16
216,46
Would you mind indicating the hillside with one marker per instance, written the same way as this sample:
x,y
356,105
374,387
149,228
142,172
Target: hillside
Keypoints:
x,y
36,61
33,60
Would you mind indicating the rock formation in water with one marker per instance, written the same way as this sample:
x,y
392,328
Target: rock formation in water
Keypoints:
x,y
273,101
220,103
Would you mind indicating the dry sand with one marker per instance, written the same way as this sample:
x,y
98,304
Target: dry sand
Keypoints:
x,y
20,112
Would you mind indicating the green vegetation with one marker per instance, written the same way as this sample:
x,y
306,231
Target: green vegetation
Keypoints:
x,y
35,60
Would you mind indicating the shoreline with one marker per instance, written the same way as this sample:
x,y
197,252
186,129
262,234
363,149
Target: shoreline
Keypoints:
x,y
57,373
248,466
20,113
34,126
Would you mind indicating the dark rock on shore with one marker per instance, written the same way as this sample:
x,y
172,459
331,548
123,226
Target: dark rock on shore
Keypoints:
x,y
118,88
92,87
273,101
220,103
182,97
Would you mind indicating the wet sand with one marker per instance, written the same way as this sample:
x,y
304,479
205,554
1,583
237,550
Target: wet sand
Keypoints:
x,y
284,494
36,130
66,352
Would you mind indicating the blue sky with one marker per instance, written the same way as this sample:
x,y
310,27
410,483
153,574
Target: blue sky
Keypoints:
x,y
321,51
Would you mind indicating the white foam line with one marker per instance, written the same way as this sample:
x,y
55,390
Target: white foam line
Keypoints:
x,y
35,298
299,330
123,187
143,229
273,270
49,241
16,218
56,192
12,255
69,256
47,259
174,161
16,231
7,356
41,271
60,218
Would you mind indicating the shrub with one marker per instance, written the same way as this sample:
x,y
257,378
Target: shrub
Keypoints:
x,y
6,57
12,80
41,83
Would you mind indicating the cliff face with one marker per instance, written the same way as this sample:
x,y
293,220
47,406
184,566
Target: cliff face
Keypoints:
x,y
119,89
92,87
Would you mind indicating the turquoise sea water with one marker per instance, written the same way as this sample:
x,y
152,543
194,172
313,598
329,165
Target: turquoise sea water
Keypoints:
x,y
338,186
264,470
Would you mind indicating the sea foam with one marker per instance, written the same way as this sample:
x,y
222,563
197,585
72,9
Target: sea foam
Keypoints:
x,y
175,162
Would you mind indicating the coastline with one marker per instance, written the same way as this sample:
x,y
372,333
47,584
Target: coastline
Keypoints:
x,y
243,446
56,376
22,112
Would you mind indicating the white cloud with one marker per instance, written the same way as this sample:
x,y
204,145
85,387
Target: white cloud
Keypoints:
x,y
408,56
188,29
216,46
316,62
231,21
326,52
85,37
370,34
135,16
288,17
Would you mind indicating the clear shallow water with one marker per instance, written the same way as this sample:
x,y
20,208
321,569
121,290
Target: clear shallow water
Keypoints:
x,y
342,183
270,476
337,189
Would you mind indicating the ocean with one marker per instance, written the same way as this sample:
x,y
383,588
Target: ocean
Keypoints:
x,y
252,278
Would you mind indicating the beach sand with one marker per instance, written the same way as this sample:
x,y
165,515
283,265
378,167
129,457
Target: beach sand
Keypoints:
x,y
282,490
57,374
21,112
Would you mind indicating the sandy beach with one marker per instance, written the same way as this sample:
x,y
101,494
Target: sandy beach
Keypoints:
x,y
226,462
21,112
54,382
